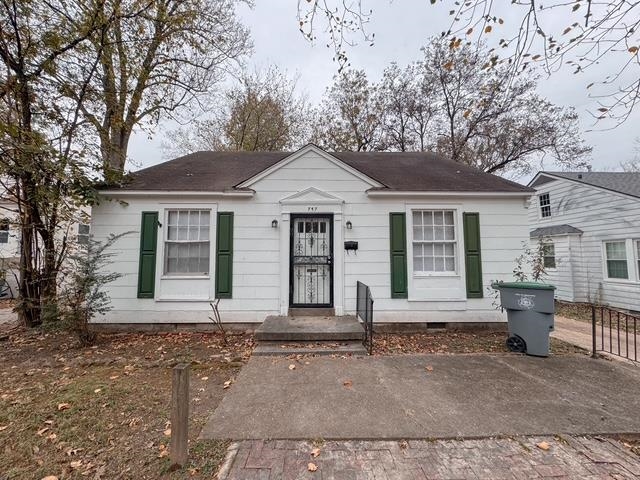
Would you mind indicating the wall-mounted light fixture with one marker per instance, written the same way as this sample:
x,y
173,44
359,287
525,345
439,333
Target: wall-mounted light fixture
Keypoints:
x,y
349,225
274,223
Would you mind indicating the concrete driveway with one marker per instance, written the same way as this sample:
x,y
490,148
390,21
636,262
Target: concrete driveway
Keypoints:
x,y
427,396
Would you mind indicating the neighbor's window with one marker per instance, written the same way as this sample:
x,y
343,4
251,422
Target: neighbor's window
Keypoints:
x,y
616,257
549,255
434,241
545,205
4,231
187,242
83,234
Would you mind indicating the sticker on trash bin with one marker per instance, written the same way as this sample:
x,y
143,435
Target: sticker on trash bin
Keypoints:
x,y
526,301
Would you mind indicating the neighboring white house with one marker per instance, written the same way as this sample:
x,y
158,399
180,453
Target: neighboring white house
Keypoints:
x,y
590,224
268,231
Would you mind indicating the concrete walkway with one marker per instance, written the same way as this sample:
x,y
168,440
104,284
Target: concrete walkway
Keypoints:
x,y
505,458
579,333
427,396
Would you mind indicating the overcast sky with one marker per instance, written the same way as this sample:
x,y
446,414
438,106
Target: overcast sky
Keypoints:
x,y
401,28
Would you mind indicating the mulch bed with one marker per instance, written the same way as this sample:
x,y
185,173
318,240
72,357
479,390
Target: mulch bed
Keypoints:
x,y
455,343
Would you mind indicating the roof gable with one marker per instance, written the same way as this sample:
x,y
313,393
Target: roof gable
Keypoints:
x,y
303,151
627,183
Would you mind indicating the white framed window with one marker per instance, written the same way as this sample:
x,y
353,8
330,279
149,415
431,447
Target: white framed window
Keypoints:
x,y
616,260
545,205
4,230
434,241
549,255
84,231
187,245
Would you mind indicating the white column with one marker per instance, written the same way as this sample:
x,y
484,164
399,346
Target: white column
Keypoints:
x,y
285,222
338,263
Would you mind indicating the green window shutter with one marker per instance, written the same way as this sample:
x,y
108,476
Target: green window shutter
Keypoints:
x,y
148,246
472,258
398,243
224,254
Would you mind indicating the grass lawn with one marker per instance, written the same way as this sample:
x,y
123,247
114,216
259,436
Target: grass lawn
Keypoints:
x,y
103,412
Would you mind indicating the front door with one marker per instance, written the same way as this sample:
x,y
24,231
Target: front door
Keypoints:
x,y
311,262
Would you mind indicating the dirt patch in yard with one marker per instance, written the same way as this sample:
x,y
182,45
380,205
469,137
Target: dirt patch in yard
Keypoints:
x,y
455,342
103,412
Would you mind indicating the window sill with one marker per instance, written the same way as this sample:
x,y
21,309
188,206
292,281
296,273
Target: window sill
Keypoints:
x,y
185,277
621,281
184,299
436,274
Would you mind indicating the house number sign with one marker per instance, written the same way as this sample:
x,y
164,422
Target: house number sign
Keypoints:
x,y
312,209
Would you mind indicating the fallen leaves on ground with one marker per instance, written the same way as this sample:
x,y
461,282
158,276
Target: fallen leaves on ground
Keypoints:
x,y
292,366
315,452
543,446
312,467
348,383
63,406
429,368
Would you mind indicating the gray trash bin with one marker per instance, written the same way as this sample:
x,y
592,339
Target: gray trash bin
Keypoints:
x,y
530,309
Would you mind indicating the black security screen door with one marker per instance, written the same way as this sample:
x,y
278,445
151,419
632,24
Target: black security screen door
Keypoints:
x,y
311,262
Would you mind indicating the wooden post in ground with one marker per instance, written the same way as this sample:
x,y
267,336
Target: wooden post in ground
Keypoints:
x,y
180,415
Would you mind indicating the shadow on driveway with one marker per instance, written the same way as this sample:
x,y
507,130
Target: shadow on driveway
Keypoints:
x,y
427,396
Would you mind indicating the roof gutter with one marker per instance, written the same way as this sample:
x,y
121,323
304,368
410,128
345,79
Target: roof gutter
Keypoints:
x,y
176,193
398,193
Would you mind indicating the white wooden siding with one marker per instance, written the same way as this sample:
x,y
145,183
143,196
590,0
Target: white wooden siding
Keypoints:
x,y
602,215
257,257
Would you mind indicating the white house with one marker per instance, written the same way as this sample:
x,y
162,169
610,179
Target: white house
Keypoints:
x,y
590,223
265,232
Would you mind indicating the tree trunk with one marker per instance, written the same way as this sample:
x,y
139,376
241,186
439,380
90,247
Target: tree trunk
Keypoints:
x,y
114,154
28,282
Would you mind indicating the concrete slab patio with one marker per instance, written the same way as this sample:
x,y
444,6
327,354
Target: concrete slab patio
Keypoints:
x,y
399,397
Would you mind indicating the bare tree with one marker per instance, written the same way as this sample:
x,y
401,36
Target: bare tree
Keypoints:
x,y
556,34
633,165
350,115
263,112
156,57
493,123
408,100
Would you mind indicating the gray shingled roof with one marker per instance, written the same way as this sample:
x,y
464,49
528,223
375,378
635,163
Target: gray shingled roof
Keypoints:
x,y
554,230
623,182
398,171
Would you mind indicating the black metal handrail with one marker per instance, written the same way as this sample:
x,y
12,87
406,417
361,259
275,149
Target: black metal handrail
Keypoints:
x,y
614,332
364,308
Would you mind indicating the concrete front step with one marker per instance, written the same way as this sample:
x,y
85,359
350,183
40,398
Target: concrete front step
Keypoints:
x,y
312,312
309,348
309,329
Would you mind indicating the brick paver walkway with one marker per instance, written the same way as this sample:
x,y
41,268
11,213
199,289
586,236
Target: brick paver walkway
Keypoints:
x,y
507,458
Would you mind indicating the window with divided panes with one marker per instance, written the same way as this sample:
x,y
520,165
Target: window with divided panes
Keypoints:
x,y
545,205
187,242
616,258
434,241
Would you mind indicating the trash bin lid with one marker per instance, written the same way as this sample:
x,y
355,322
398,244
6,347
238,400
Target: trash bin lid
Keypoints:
x,y
523,285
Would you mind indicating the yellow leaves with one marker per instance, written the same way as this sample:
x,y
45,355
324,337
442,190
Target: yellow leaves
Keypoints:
x,y
167,432
97,390
164,451
315,452
312,467
292,366
63,406
204,379
543,446
488,29
429,368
